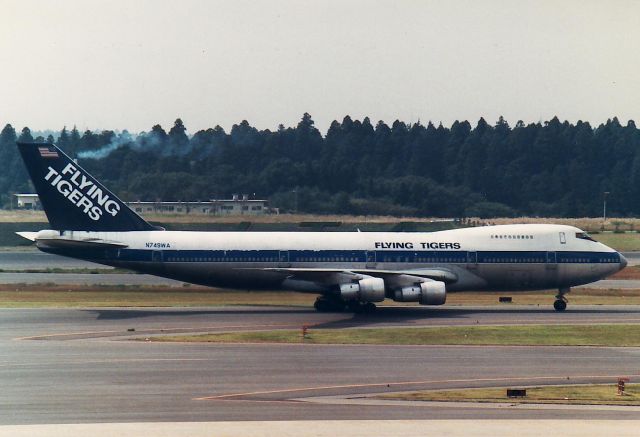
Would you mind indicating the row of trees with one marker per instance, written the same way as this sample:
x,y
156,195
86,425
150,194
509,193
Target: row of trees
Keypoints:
x,y
545,169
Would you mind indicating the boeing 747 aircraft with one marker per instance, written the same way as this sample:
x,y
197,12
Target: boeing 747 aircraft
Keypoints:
x,y
351,270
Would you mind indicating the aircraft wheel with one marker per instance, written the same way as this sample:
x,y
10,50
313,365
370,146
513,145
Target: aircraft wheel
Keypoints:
x,y
324,305
354,306
560,305
321,305
369,307
361,307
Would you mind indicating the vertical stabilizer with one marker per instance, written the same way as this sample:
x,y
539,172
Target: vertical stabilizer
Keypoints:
x,y
71,198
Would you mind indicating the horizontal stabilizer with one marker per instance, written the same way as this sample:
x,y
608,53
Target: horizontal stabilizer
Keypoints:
x,y
31,236
64,243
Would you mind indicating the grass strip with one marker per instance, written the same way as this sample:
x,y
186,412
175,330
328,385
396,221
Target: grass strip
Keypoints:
x,y
543,335
60,295
74,296
593,394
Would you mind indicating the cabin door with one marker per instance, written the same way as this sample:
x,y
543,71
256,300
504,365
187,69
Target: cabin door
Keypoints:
x,y
472,260
283,258
552,261
156,256
371,259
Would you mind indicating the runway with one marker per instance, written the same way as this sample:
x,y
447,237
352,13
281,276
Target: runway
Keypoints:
x,y
81,367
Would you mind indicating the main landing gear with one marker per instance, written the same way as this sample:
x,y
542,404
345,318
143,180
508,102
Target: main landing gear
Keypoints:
x,y
361,307
328,304
331,304
561,302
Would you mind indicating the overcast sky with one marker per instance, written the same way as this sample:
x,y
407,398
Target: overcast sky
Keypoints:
x,y
131,64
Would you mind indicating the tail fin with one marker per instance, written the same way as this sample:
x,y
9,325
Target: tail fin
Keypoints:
x,y
71,198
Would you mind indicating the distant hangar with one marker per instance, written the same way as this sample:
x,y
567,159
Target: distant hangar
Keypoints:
x,y
237,205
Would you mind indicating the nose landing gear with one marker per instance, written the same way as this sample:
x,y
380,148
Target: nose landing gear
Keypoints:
x,y
561,302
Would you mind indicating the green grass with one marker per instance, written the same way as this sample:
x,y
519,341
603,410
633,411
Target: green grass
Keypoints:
x,y
74,296
569,335
566,394
54,295
625,242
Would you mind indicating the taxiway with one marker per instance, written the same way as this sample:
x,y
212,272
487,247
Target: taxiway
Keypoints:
x,y
80,366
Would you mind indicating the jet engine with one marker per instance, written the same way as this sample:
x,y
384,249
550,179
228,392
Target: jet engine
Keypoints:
x,y
427,293
368,289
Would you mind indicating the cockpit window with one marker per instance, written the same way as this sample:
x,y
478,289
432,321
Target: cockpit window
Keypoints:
x,y
584,236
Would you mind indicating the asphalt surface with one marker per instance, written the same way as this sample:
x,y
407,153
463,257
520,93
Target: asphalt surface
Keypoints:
x,y
32,258
80,366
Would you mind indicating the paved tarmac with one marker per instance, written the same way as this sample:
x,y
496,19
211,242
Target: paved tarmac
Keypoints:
x,y
81,366
32,258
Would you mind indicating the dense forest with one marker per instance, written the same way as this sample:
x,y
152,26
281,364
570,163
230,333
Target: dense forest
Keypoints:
x,y
542,169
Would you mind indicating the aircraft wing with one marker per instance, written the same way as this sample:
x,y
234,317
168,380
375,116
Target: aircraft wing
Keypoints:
x,y
326,275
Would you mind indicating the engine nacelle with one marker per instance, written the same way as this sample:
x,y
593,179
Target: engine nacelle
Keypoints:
x,y
366,290
427,293
408,294
433,293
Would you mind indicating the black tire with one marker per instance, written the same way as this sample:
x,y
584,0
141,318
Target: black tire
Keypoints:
x,y
321,305
325,305
354,306
369,307
560,305
336,306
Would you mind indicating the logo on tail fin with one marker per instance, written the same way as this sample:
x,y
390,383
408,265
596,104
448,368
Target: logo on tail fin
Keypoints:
x,y
89,206
81,191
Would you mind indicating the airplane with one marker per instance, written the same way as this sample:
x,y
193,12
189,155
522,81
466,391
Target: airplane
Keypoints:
x,y
348,270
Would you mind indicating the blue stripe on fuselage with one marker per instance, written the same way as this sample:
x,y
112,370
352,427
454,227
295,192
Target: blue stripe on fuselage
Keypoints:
x,y
357,256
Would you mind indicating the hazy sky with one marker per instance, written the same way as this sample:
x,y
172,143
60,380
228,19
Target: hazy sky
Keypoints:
x,y
131,64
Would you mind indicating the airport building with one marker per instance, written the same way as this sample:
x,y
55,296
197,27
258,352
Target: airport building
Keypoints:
x,y
28,201
238,205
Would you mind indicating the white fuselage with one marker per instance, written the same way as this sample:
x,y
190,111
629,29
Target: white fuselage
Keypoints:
x,y
515,257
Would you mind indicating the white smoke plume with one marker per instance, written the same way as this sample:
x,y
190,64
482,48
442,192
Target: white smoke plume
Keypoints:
x,y
124,138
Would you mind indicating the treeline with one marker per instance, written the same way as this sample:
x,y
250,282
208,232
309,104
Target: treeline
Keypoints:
x,y
541,169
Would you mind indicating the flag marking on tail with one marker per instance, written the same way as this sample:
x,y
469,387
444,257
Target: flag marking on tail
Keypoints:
x,y
48,152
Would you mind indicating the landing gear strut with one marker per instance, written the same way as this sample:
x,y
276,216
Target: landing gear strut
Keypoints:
x,y
561,302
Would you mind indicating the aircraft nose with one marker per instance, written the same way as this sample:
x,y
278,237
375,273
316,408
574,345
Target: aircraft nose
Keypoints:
x,y
623,261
